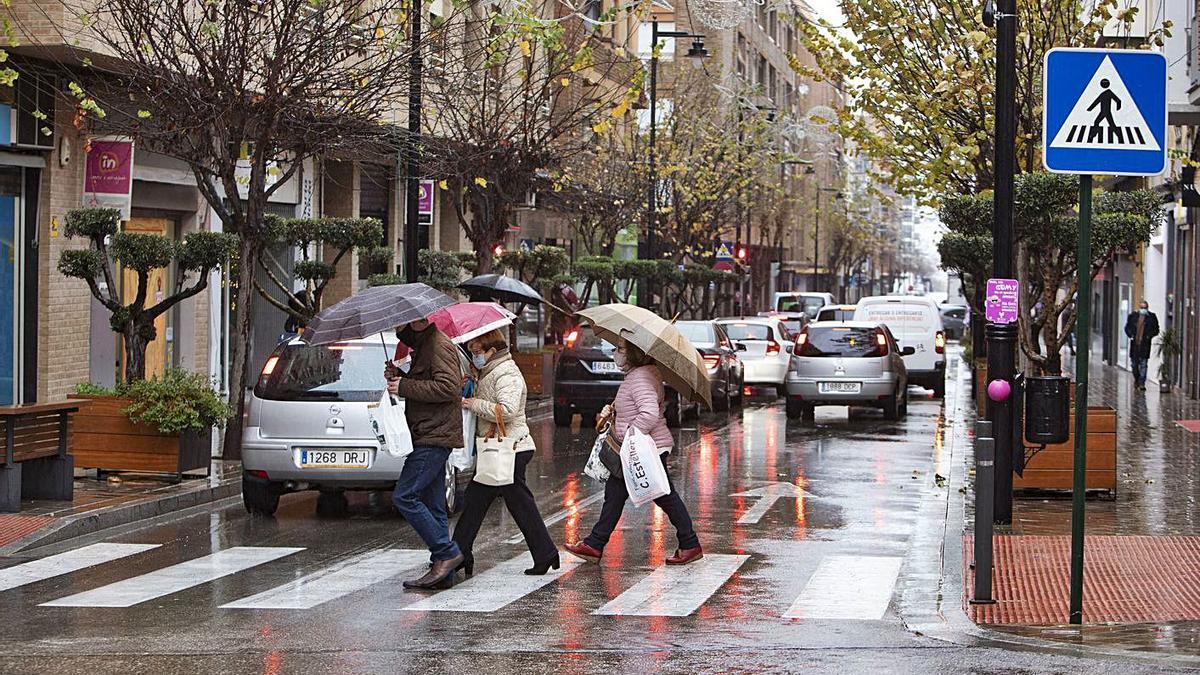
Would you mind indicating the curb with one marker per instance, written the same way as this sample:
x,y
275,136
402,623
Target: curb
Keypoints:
x,y
103,520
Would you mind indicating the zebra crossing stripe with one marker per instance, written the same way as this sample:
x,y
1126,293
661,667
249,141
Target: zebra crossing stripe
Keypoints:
x,y
65,563
494,589
331,583
848,587
675,591
175,578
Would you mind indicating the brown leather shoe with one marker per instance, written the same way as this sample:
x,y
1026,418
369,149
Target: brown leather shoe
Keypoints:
x,y
440,575
585,552
684,556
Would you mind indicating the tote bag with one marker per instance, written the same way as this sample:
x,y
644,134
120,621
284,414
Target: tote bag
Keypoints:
x,y
595,466
645,476
390,425
495,456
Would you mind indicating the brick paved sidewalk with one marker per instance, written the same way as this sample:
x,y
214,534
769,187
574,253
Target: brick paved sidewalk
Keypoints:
x,y
1142,561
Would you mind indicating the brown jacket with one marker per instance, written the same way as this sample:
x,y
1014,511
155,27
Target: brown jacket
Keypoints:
x,y
432,391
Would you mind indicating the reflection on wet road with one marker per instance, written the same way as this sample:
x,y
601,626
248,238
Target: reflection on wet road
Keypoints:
x,y
809,535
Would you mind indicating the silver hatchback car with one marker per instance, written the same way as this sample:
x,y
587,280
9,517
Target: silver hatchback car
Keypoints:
x,y
847,363
307,427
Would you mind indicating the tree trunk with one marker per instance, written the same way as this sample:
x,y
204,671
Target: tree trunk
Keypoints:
x,y
484,260
135,353
240,340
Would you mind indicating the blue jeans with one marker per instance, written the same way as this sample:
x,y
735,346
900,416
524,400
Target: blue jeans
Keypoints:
x,y
420,497
1140,366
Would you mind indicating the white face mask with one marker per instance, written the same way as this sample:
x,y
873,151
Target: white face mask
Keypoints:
x,y
620,360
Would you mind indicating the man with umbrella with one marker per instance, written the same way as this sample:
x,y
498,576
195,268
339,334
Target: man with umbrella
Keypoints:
x,y
432,389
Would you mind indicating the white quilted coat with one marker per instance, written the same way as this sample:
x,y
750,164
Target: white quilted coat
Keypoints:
x,y
501,382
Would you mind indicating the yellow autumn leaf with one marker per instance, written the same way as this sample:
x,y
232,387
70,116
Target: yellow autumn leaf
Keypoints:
x,y
621,109
443,184
566,81
525,48
481,182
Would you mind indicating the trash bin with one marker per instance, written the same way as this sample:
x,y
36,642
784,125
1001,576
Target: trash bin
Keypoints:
x,y
1047,410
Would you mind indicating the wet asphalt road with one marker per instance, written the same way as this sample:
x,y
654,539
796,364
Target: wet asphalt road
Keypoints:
x,y
832,574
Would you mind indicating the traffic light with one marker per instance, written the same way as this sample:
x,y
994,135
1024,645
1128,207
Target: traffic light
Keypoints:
x,y
740,253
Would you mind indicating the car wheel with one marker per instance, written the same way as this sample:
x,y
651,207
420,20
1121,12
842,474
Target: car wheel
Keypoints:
x,y
781,390
722,402
453,494
808,414
794,408
332,504
904,404
891,408
260,497
562,416
939,388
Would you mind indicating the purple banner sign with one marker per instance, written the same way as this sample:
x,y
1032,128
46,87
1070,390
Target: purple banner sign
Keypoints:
x,y
1003,301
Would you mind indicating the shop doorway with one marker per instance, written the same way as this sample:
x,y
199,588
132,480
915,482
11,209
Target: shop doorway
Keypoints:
x,y
158,355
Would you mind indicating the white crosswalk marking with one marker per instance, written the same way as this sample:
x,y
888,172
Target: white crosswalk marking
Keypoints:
x,y
175,578
494,589
675,591
848,587
65,563
336,581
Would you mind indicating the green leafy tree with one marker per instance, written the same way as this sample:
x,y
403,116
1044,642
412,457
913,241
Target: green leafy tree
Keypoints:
x,y
198,254
333,238
541,267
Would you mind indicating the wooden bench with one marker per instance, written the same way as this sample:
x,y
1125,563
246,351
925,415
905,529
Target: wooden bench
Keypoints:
x,y
36,462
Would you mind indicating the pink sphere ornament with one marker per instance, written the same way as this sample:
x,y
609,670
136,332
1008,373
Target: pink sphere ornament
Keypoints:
x,y
999,390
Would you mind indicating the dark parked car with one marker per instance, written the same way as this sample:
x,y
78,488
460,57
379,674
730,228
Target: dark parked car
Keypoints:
x,y
954,319
720,358
586,379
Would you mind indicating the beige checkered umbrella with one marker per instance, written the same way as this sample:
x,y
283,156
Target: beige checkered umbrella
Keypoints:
x,y
676,356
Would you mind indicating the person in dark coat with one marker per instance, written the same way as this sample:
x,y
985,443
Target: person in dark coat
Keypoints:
x,y
432,390
1141,328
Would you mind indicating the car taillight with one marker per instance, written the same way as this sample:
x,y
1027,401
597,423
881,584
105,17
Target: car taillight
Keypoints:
x,y
269,367
711,360
801,340
939,342
572,337
259,474
881,344
772,347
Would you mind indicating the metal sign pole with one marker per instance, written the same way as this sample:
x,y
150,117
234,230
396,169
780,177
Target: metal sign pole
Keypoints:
x,y
1083,340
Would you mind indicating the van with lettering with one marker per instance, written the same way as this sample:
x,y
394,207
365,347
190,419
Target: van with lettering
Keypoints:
x,y
915,321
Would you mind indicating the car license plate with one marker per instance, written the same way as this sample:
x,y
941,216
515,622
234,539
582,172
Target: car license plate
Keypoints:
x,y
840,387
334,459
604,367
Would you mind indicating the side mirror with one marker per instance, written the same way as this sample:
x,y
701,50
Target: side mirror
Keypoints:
x,y
739,346
788,348
908,351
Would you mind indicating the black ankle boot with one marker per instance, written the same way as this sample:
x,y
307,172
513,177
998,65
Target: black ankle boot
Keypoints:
x,y
541,568
468,564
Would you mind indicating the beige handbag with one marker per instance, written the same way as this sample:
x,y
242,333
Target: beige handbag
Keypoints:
x,y
495,456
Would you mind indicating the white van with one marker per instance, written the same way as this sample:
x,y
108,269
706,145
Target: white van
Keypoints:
x,y
797,302
916,322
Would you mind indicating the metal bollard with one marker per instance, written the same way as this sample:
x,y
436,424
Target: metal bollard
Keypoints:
x,y
985,476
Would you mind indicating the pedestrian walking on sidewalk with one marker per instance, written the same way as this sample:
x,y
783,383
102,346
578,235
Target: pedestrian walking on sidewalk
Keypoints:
x,y
641,404
500,389
1141,328
432,390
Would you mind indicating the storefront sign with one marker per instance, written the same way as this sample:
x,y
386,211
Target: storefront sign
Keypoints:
x,y
108,174
1003,303
1187,187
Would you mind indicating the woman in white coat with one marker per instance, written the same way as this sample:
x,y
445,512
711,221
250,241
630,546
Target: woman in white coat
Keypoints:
x,y
500,387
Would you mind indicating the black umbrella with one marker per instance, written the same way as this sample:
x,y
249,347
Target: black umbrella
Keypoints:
x,y
373,311
499,288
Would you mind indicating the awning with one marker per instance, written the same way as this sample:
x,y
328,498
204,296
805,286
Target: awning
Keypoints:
x,y
27,161
1183,114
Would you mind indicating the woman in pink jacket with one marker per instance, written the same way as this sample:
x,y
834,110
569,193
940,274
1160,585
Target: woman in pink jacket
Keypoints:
x,y
641,404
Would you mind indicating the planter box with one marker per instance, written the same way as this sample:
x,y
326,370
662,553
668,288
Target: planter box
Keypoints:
x,y
1053,468
538,369
104,438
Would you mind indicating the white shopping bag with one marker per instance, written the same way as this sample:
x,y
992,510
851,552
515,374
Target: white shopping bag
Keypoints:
x,y
595,468
645,476
464,458
390,425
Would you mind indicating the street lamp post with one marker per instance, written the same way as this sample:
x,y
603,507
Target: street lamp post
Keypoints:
x,y
817,235
783,165
697,51
412,167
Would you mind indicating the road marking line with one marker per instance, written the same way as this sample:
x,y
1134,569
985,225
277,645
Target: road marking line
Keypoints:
x,y
848,587
175,578
65,563
562,515
675,591
494,589
335,581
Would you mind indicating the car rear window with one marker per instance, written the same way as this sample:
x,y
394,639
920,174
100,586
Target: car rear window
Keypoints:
x,y
347,372
747,331
841,341
959,314
584,337
698,333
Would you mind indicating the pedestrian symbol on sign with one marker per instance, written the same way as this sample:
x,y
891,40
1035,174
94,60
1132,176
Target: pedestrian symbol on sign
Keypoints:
x,y
1105,116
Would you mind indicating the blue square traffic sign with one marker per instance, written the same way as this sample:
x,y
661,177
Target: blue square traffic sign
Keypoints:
x,y
1105,112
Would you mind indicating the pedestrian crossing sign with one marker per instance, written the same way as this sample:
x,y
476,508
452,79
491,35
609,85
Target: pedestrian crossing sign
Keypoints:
x,y
1105,112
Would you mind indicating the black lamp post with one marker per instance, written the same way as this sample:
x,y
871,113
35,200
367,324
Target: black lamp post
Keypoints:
x,y
817,236
697,51
412,168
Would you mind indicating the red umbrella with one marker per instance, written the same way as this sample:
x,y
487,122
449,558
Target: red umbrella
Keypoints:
x,y
468,320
